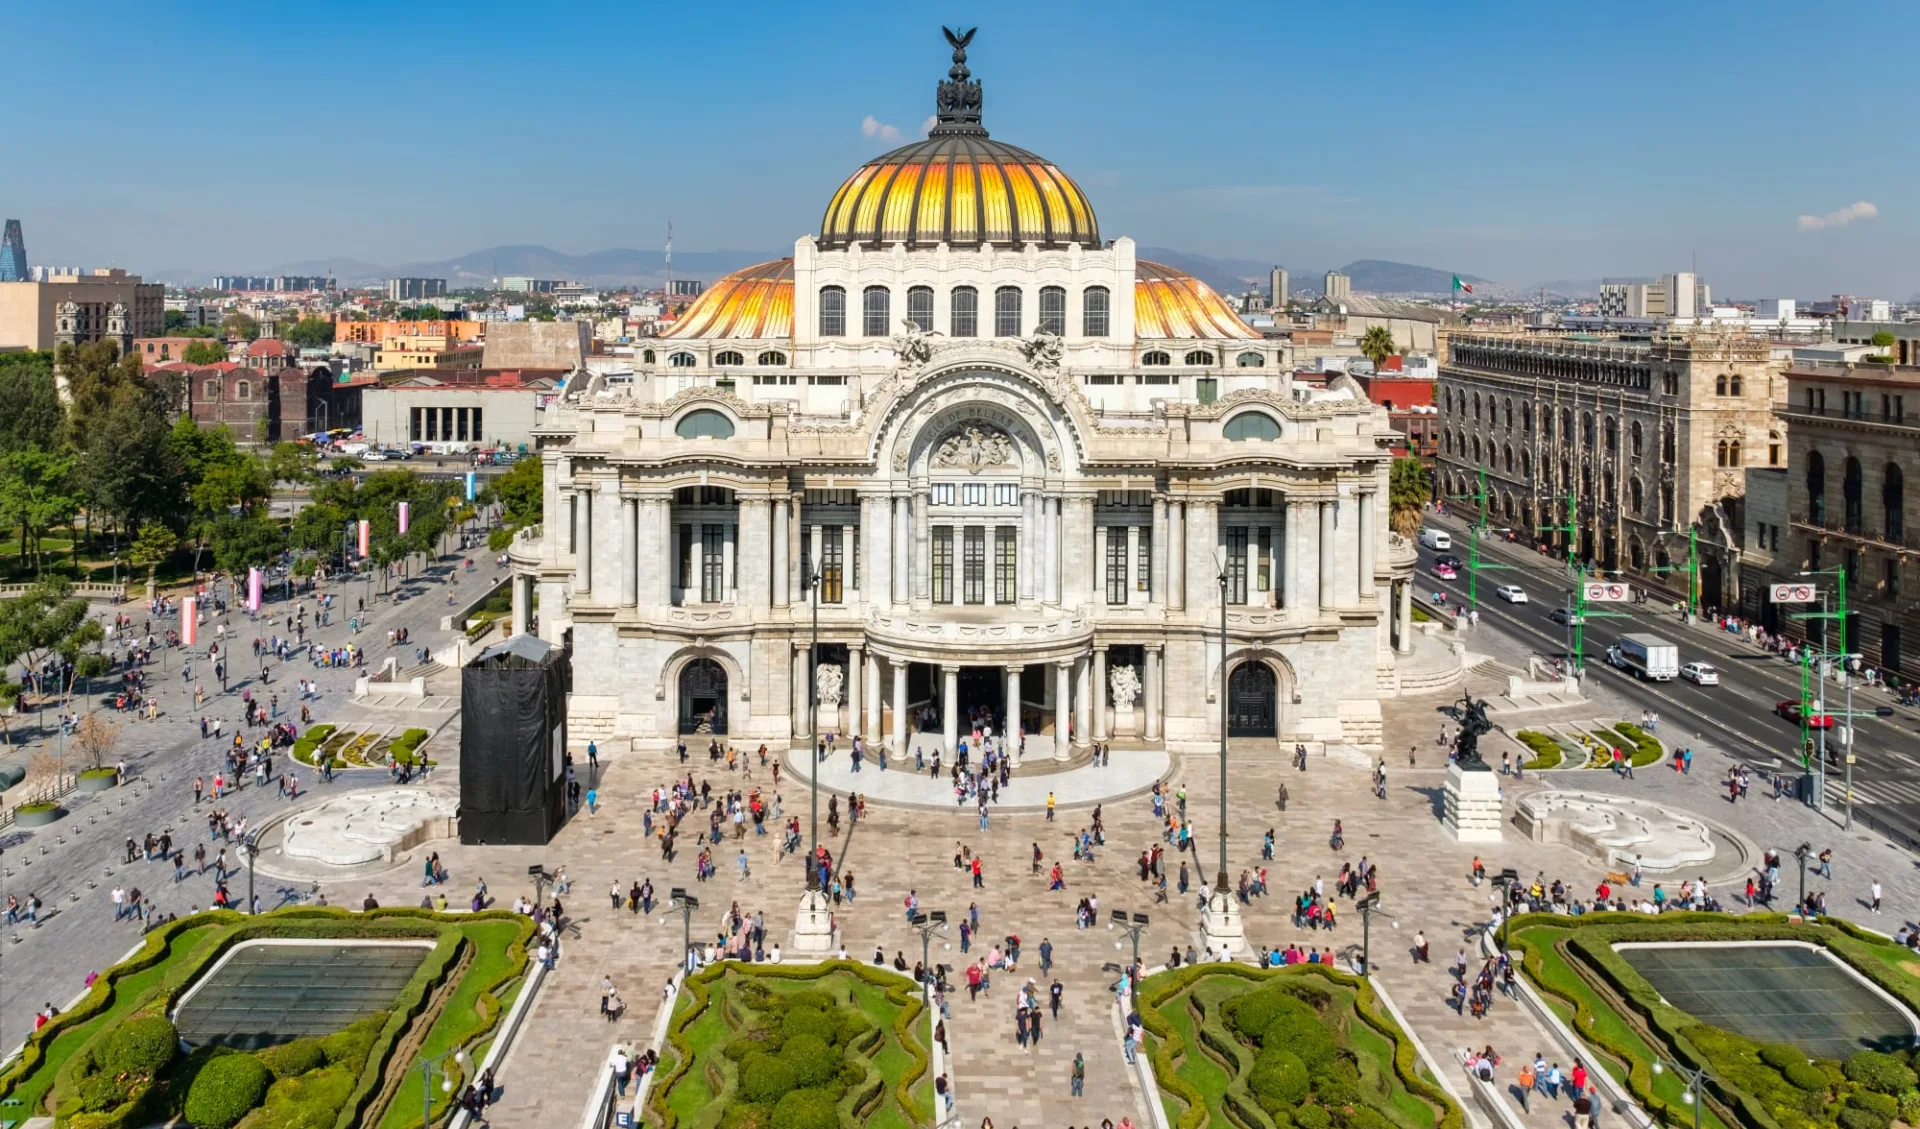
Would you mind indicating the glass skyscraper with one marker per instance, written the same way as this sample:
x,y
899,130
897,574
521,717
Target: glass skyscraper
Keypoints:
x,y
13,254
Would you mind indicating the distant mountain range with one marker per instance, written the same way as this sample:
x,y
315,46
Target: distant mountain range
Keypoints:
x,y
625,266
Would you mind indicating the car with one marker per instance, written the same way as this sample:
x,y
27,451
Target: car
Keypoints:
x,y
1435,539
1789,708
1511,593
1566,616
1445,571
1447,559
371,455
1700,674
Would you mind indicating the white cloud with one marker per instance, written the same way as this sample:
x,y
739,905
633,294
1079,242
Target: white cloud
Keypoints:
x,y
926,127
871,126
1858,210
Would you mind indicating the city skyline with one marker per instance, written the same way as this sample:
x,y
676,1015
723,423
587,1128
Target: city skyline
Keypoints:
x,y
1483,145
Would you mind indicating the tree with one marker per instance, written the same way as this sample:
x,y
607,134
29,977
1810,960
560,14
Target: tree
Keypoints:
x,y
204,353
175,319
127,465
309,333
520,494
221,479
151,548
36,495
96,737
1409,488
243,541
1377,344
46,620
94,372
1883,340
425,312
33,414
237,324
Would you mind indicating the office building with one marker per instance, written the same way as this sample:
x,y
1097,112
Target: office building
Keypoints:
x,y
415,289
74,308
523,285
13,254
1338,287
1277,289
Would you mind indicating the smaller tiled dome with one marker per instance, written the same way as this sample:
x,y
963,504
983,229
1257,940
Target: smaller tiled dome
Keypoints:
x,y
754,304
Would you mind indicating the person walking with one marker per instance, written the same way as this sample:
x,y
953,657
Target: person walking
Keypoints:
x,y
1524,1083
1876,897
1054,994
1076,1083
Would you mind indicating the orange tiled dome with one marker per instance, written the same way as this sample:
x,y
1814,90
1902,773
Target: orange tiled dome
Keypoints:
x,y
751,304
963,189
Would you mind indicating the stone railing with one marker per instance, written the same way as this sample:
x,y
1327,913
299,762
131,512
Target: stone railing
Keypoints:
x,y
88,590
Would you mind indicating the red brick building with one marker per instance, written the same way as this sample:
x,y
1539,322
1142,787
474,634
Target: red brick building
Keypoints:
x,y
166,350
1409,402
264,400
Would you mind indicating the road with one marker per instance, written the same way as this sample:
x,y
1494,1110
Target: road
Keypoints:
x,y
1738,713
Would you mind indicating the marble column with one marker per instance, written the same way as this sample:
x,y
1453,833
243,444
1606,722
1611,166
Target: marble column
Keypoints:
x,y
923,549
755,566
1328,593
1099,693
899,706
1011,730
1030,551
800,690
1083,700
856,683
1050,511
1176,555
522,603
870,729
660,583
950,708
876,548
1157,575
1203,540
782,515
1062,708
897,516
583,542
1406,617
629,552
1366,500
1152,692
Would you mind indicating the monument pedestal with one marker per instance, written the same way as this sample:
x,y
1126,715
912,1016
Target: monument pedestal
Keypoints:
x,y
1472,812
813,930
1221,924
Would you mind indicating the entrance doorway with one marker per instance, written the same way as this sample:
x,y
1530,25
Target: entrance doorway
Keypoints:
x,y
1890,648
703,698
982,688
1252,705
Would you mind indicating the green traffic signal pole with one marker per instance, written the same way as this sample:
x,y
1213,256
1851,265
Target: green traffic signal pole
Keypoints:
x,y
1477,532
1577,602
1692,569
1813,701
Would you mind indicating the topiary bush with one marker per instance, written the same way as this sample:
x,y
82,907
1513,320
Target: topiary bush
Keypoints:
x,y
1279,1079
226,1088
807,1109
102,1092
765,1079
1780,1055
140,1046
1853,1117
352,1043
290,1060
1312,1117
1806,1076
813,1061
1879,1072
806,1021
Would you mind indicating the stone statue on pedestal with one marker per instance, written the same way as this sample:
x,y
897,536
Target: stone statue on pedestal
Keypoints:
x,y
1125,684
828,680
1471,713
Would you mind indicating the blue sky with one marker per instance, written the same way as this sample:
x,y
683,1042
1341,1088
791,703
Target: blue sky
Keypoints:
x,y
1521,142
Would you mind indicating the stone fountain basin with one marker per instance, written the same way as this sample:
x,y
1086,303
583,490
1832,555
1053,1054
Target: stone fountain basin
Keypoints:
x,y
367,827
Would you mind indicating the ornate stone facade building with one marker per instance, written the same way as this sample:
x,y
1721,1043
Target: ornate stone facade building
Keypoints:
x,y
1025,467
1650,437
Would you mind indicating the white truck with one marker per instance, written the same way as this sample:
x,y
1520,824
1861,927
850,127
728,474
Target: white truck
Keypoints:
x,y
1646,657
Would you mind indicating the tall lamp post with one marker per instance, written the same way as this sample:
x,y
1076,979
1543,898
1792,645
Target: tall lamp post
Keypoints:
x,y
1133,925
1221,920
813,731
1803,852
1368,906
249,848
927,924
1505,882
685,903
1694,1080
427,1068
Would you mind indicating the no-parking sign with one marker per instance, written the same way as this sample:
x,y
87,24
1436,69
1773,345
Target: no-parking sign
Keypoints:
x,y
1607,592
1796,593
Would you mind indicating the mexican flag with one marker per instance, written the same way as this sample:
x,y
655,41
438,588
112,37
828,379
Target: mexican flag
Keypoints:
x,y
1460,286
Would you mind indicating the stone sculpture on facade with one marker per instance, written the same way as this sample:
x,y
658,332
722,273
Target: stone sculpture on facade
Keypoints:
x,y
1043,350
829,679
974,448
1125,684
913,345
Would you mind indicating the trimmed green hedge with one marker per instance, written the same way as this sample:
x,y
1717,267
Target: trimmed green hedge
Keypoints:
x,y
312,739
1546,751
226,1087
403,746
1646,747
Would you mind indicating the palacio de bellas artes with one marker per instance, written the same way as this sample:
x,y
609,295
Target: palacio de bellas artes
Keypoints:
x,y
964,457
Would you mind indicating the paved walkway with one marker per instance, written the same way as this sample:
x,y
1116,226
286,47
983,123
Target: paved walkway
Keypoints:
x,y
1132,772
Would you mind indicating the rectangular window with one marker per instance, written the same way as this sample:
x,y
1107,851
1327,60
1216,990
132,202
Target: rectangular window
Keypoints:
x,y
1093,310
1006,312
1892,567
831,564
1159,378
1006,494
973,575
973,494
1263,575
920,307
683,574
1053,310
473,416
943,493
964,318
806,560
942,564
1117,564
713,564
1006,564
413,424
1207,389
1236,564
1143,563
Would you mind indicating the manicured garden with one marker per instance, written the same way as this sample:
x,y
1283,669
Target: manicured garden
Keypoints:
x,y
1751,1084
1590,747
817,1046
348,748
1305,1046
114,1061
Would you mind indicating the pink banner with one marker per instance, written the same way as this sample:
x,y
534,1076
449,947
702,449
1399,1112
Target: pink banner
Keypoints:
x,y
254,584
189,630
403,518
366,538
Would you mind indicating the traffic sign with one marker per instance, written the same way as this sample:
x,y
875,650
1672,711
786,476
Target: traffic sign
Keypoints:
x,y
1607,592
1796,593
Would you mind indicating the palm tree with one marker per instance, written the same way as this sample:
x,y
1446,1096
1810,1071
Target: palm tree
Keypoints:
x,y
1377,344
1409,488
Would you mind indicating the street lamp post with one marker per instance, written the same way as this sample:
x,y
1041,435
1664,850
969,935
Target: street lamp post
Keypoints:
x,y
1695,1080
927,924
1504,882
1368,906
813,732
427,1067
1133,925
1802,852
249,848
679,899
1220,881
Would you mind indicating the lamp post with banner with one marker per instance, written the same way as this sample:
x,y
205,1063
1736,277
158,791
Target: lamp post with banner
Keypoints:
x,y
1813,680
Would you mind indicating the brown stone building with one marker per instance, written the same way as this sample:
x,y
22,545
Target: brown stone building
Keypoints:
x,y
1650,438
259,404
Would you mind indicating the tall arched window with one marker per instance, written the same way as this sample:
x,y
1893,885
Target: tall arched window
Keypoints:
x,y
1507,407
1094,319
1476,407
1612,436
1526,465
1773,448
1733,384
876,304
1634,438
833,311
1053,310
646,357
1506,457
1636,495
1006,312
1851,493
1476,448
729,357
963,320
1720,385
1733,453
1199,357
1893,503
1816,488
920,307
1526,418
1586,430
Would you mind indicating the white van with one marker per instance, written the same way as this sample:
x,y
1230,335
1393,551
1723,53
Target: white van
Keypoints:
x,y
1435,539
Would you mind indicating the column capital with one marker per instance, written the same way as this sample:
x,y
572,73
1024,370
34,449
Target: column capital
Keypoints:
x,y
857,646
1100,648
949,669
1154,648
1015,668
1065,664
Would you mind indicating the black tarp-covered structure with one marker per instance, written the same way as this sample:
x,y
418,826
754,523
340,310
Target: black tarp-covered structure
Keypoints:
x,y
513,739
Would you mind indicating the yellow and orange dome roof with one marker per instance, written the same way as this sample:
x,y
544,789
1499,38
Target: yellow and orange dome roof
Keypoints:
x,y
963,189
1173,304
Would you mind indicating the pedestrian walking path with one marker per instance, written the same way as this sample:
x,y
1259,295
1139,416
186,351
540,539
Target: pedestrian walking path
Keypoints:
x,y
1132,772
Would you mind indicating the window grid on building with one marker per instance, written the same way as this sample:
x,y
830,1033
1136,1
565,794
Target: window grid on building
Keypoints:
x,y
973,494
964,319
920,307
875,306
833,312
1053,310
941,493
1006,312
831,566
713,563
942,570
1094,317
973,576
1236,564
1006,494
1117,564
1143,562
1006,564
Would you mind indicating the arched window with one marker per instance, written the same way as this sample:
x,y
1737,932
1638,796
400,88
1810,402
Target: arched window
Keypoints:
x,y
1720,385
1526,418
773,357
1893,502
1199,357
833,311
1476,448
1156,358
1773,448
1566,424
1586,430
243,390
1546,425
1507,457
1667,442
1636,554
1507,406
646,356
876,304
1006,312
1636,495
1733,453
1526,464
1094,303
1612,436
1053,310
1850,492
1634,438
1476,407
210,390
1816,488
1252,425
1733,384
680,360
704,423
1250,360
920,307
963,319
729,357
